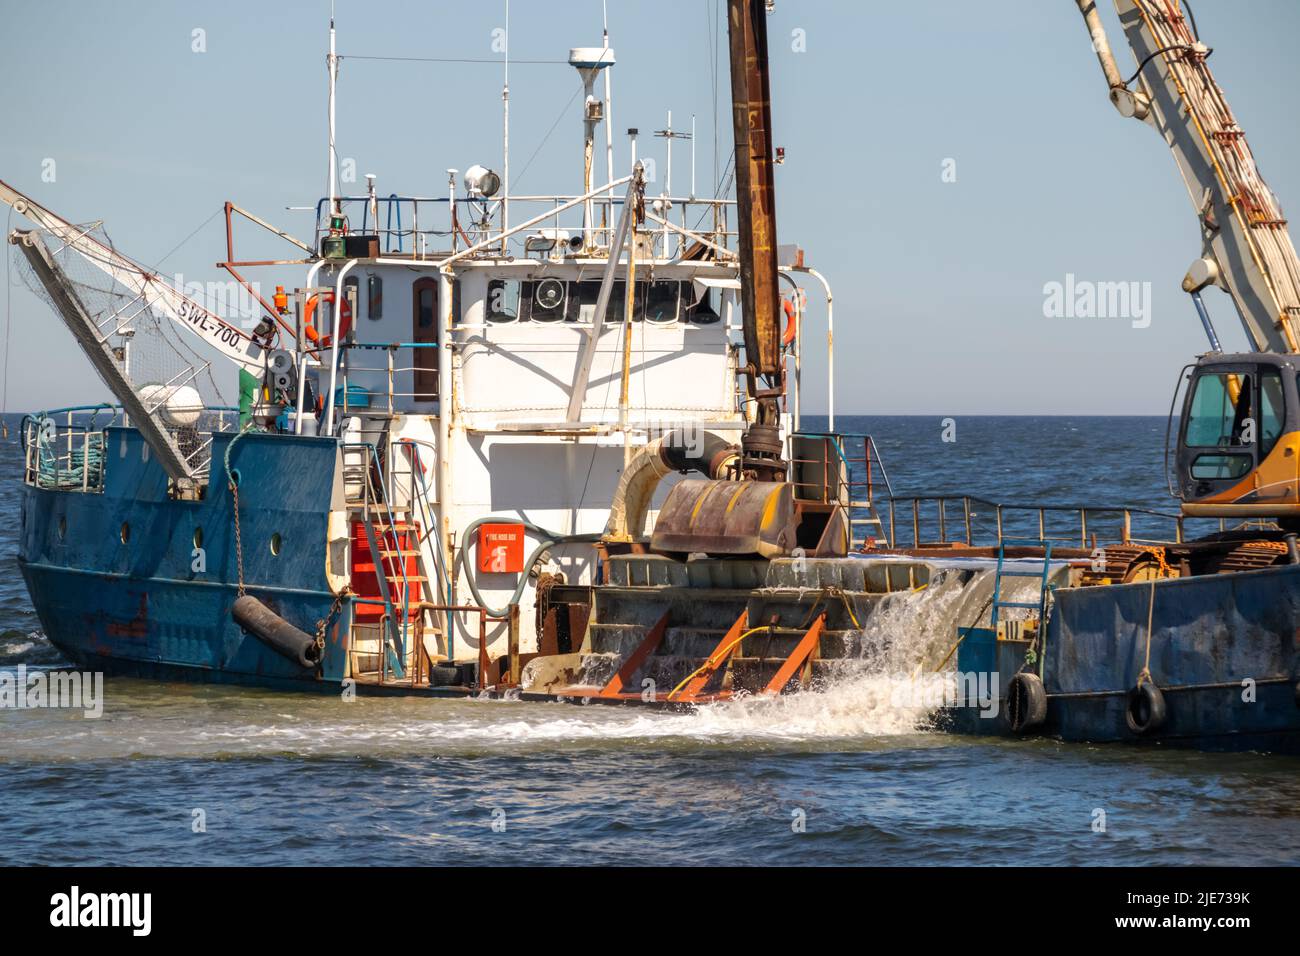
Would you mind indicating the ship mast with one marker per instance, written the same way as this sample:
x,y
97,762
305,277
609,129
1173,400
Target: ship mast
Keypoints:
x,y
332,66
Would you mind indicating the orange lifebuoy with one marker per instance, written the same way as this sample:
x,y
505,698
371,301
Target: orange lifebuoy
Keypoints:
x,y
791,326
345,320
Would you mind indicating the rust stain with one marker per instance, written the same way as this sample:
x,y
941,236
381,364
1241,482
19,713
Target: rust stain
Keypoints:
x,y
136,629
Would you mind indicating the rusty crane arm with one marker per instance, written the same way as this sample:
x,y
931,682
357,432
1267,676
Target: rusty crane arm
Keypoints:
x,y
760,295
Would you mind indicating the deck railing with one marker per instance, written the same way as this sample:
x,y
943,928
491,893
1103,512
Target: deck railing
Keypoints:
x,y
63,448
386,376
421,227
969,515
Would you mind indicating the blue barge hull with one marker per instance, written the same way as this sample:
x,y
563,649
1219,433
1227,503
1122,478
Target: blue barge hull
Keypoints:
x,y
1224,651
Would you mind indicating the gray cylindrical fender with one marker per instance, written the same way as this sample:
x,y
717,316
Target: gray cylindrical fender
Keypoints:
x,y
275,632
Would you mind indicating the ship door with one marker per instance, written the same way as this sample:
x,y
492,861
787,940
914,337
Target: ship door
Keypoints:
x,y
424,332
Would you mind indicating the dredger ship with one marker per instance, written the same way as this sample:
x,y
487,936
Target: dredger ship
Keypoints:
x,y
551,447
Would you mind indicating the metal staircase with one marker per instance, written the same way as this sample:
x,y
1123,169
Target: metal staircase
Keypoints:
x,y
393,619
841,468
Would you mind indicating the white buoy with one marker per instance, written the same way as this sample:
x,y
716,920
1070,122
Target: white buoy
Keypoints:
x,y
181,404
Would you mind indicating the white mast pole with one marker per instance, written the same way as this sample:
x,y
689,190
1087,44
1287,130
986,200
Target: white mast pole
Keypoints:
x,y
609,121
692,155
505,139
332,64
668,181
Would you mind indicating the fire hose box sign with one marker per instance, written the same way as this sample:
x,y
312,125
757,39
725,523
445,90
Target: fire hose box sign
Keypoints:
x,y
501,548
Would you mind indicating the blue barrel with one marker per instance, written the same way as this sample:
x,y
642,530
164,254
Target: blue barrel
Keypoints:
x,y
358,396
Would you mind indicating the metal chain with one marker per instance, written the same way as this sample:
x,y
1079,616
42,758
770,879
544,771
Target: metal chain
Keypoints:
x,y
233,483
239,544
334,609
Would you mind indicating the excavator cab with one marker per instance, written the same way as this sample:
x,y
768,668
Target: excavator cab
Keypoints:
x,y
1239,439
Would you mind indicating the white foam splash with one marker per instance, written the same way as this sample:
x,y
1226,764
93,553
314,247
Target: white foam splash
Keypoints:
x,y
889,691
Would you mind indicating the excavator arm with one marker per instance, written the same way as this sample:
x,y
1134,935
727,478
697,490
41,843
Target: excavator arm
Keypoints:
x,y
1246,246
1238,451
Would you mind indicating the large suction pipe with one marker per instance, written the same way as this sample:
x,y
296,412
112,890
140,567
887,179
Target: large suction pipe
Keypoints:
x,y
679,450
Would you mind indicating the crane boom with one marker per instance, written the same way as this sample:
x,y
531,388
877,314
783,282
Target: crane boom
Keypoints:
x,y
755,195
149,288
760,294
1246,246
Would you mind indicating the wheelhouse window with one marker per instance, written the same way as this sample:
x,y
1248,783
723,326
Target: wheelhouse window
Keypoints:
x,y
661,301
704,310
547,299
503,300
374,297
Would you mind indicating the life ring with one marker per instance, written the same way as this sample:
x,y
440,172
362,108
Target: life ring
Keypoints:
x,y
1146,710
1026,702
345,320
791,326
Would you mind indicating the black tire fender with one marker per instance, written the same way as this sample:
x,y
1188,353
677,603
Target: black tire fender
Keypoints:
x,y
1026,702
1145,710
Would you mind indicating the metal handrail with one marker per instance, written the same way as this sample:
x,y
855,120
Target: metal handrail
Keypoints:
x,y
380,573
422,497
1000,509
45,464
483,211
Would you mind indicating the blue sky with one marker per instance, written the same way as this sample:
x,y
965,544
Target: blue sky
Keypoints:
x,y
938,285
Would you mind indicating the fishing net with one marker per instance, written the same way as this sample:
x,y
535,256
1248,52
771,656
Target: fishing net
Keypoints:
x,y
169,369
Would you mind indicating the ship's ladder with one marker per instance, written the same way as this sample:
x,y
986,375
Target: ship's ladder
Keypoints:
x,y
860,460
390,537
1004,570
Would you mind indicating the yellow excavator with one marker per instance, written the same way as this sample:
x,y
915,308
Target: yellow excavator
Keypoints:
x,y
1238,441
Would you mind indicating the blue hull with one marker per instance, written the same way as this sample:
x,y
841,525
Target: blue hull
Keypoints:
x,y
1224,649
130,581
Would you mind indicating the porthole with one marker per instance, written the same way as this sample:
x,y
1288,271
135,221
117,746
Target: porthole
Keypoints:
x,y
275,543
198,537
125,533
63,527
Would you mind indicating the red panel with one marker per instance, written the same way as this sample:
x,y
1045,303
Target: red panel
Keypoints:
x,y
501,548
364,582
